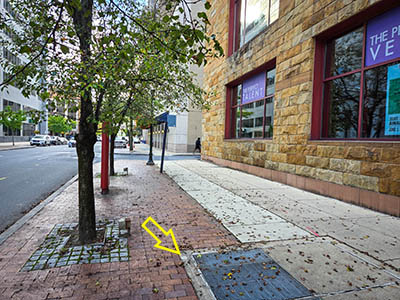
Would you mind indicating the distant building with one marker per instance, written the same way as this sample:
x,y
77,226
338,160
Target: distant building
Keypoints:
x,y
308,94
184,127
12,96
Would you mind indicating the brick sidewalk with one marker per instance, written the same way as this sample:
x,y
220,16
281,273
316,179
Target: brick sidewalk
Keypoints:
x,y
150,274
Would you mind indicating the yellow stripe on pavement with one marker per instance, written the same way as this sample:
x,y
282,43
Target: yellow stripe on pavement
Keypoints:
x,y
2,178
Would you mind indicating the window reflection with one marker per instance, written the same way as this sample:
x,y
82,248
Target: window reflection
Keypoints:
x,y
344,54
341,107
269,117
255,15
252,119
270,90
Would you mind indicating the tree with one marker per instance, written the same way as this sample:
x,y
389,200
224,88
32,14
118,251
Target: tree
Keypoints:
x,y
12,119
59,124
80,47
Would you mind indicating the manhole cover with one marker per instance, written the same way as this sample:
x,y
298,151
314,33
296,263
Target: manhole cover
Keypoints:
x,y
248,275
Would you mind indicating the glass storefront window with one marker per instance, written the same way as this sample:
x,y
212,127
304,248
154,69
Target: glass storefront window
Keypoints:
x,y
252,113
341,107
252,17
361,84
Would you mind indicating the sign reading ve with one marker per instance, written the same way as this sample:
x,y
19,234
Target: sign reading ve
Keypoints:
x,y
383,38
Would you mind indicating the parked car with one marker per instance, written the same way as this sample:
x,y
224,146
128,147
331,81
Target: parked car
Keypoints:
x,y
63,140
40,140
54,140
119,142
136,140
72,142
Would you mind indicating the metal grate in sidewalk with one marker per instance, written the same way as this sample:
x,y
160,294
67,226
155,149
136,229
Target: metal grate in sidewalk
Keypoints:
x,y
248,275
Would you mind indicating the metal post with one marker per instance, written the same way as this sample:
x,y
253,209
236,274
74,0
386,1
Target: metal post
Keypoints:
x,y
163,149
105,149
150,162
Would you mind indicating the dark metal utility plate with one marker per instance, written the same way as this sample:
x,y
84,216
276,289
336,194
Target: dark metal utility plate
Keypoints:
x,y
248,275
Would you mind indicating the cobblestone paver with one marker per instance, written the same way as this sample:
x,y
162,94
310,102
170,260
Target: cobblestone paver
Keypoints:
x,y
53,252
149,274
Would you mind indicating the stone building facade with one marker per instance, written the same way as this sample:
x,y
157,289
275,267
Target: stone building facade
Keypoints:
x,y
303,98
12,96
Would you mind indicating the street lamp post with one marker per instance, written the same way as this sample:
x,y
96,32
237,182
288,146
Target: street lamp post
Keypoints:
x,y
150,162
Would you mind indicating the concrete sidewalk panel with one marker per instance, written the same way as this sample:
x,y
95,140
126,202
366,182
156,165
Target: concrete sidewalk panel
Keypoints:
x,y
267,194
268,232
340,209
386,225
297,194
198,185
390,292
231,216
215,196
327,268
374,243
295,211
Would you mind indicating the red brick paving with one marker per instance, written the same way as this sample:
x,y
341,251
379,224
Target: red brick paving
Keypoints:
x,y
150,274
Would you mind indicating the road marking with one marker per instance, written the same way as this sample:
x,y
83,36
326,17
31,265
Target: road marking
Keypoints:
x,y
2,178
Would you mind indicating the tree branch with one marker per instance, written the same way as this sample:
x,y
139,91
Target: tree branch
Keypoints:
x,y
12,77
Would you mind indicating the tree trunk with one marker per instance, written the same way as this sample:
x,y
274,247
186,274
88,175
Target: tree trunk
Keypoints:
x,y
87,213
82,18
12,136
112,147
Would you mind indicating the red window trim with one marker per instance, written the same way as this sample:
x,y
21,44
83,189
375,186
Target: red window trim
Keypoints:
x,y
336,31
232,21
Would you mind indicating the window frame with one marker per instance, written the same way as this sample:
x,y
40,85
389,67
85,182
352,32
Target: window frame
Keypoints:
x,y
234,36
320,80
230,126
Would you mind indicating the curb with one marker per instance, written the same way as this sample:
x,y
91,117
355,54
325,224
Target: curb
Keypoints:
x,y
22,221
18,148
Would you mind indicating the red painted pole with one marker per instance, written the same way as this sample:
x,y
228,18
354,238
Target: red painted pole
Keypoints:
x,y
105,144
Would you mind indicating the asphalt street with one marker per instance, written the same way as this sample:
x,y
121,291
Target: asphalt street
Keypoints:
x,y
28,176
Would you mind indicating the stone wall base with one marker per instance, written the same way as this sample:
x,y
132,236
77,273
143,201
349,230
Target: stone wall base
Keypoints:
x,y
380,202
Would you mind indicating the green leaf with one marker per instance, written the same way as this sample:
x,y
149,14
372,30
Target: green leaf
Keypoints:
x,y
207,5
64,49
166,19
25,49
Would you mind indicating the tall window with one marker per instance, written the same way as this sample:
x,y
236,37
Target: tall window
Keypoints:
x,y
361,81
250,17
14,107
252,107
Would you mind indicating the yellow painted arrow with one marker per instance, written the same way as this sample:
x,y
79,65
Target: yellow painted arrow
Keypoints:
x,y
166,233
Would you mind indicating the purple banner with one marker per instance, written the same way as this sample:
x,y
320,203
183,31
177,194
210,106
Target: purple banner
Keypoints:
x,y
253,88
383,38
